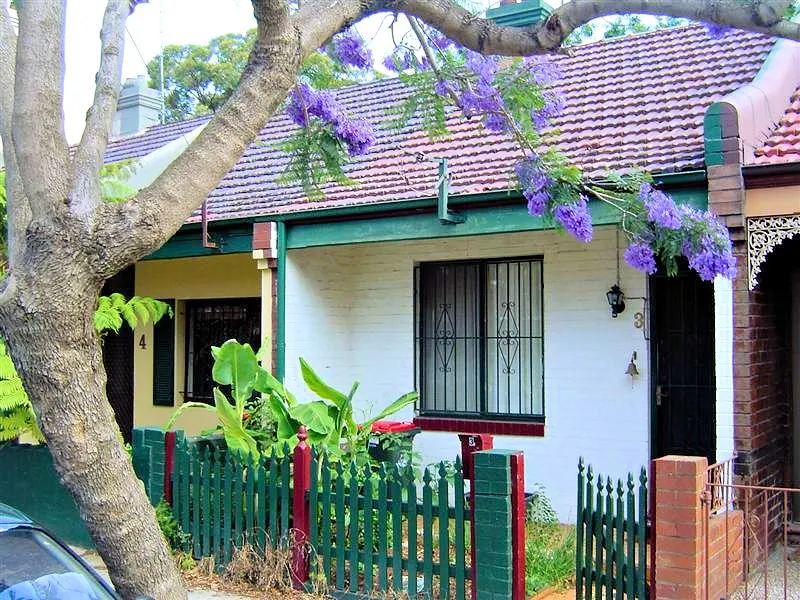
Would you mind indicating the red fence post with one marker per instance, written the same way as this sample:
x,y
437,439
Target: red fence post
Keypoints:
x,y
169,464
300,512
518,525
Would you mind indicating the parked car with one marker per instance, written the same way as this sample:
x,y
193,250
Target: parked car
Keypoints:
x,y
35,565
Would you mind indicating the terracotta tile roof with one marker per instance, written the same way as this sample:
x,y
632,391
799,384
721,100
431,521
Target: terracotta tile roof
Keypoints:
x,y
783,143
635,101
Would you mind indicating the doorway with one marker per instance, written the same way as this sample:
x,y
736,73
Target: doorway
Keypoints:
x,y
683,413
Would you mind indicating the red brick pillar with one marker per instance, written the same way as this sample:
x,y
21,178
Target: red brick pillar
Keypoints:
x,y
679,518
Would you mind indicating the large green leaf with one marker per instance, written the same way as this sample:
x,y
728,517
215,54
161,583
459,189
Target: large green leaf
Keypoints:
x,y
182,408
236,437
319,387
314,415
394,407
235,365
286,425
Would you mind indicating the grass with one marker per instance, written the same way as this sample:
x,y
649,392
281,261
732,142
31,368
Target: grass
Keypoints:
x,y
549,556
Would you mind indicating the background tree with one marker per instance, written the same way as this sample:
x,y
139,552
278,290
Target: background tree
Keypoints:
x,y
65,241
199,79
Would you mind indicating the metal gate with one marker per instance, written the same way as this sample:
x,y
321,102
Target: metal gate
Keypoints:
x,y
752,538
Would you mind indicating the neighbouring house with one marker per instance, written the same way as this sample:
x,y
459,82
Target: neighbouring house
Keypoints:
x,y
499,321
754,178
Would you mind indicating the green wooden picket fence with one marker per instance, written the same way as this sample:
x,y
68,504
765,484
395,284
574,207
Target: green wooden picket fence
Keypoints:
x,y
373,532
611,549
385,531
225,501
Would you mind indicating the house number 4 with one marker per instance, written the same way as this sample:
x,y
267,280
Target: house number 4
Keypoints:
x,y
142,343
638,321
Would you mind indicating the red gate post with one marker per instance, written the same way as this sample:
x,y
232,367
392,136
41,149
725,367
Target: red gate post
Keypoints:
x,y
518,525
300,512
169,464
470,444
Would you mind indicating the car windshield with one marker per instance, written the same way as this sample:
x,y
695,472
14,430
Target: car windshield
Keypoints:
x,y
34,567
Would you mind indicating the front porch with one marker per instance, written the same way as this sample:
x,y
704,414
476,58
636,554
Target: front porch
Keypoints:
x,y
350,310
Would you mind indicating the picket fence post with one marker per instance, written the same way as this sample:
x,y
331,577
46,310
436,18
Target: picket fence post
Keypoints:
x,y
300,509
169,464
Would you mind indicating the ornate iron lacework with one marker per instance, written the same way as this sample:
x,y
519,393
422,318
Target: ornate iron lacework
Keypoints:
x,y
445,335
764,234
507,342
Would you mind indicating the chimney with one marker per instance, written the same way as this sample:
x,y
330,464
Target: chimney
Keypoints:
x,y
138,108
520,14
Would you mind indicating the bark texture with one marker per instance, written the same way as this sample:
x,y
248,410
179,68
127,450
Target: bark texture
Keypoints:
x,y
48,325
65,241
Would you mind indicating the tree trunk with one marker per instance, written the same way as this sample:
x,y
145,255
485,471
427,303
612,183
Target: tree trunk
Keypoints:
x,y
48,326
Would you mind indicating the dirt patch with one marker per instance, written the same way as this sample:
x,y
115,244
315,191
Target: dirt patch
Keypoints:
x,y
555,594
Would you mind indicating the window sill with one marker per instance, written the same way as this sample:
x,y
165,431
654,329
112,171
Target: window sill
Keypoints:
x,y
495,427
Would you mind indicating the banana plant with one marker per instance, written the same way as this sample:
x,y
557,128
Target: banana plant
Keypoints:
x,y
328,420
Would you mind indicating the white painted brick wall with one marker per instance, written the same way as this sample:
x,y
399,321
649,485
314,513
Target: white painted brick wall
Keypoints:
x,y
349,311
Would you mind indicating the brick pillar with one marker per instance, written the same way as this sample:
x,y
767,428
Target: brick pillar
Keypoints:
x,y
679,520
496,554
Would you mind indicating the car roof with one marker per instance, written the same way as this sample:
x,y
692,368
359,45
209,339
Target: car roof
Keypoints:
x,y
11,516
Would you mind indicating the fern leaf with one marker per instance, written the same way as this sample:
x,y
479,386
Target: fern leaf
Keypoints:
x,y
129,314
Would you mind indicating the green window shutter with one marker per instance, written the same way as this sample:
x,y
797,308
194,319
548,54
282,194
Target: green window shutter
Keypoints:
x,y
164,360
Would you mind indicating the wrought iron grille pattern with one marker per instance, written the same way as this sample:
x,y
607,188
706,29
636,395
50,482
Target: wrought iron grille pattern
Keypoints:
x,y
210,323
479,340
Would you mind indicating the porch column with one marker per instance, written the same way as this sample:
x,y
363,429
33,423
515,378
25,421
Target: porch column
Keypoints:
x,y
723,361
265,253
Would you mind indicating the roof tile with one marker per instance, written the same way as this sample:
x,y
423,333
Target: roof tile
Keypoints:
x,y
783,143
632,102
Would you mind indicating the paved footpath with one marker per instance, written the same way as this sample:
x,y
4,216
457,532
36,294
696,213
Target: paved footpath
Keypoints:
x,y
94,560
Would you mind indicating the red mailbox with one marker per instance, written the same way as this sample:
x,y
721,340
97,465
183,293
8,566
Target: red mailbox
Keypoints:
x,y
471,443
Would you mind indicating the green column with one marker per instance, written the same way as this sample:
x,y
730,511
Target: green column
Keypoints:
x,y
491,496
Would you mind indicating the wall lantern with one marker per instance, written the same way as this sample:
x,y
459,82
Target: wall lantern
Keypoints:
x,y
616,300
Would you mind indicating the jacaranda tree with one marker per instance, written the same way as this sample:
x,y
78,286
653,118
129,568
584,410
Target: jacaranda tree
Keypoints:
x,y
65,241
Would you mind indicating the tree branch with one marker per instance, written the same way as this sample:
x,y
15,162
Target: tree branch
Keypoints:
x,y
483,35
162,207
17,208
37,119
89,154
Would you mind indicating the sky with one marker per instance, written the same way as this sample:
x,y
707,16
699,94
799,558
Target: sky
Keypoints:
x,y
170,22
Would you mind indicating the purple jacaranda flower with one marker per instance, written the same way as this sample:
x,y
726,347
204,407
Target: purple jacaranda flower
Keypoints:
x,y
575,219
495,122
350,49
716,31
535,183
357,135
446,88
661,209
640,256
402,59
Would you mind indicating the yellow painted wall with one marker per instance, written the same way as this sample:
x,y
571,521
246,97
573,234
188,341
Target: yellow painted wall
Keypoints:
x,y
768,202
226,276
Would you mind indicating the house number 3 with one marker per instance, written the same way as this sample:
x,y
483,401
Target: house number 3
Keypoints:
x,y
142,343
638,321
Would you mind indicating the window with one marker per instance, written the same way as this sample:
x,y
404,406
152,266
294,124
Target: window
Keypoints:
x,y
211,323
479,339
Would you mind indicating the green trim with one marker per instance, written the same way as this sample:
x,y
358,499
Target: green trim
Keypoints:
x,y
236,235
231,238
479,221
280,326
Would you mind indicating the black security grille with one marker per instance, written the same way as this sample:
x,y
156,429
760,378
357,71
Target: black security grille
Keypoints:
x,y
211,323
479,338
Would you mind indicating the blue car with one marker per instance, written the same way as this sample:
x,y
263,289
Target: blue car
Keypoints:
x,y
34,565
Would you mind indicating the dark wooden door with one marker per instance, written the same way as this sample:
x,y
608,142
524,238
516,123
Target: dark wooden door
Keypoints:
x,y
684,381
118,358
